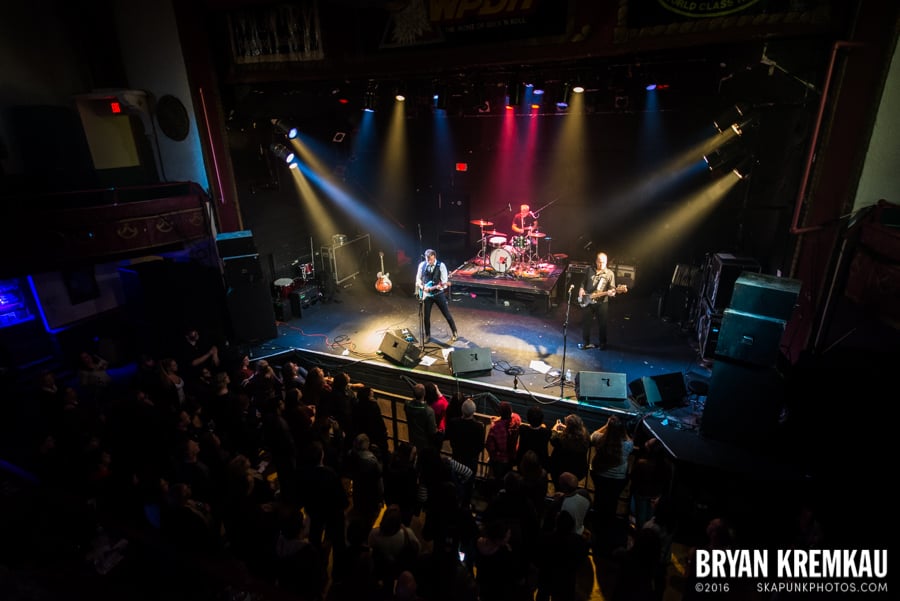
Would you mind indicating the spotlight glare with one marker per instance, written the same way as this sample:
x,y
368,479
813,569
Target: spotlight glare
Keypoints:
x,y
578,89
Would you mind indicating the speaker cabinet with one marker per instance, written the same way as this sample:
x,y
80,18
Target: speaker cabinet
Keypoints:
x,y
665,390
243,271
750,338
742,404
722,272
471,361
765,295
400,350
601,386
235,244
251,314
708,325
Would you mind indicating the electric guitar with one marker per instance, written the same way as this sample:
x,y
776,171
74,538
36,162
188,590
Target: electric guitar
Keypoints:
x,y
429,290
383,283
587,299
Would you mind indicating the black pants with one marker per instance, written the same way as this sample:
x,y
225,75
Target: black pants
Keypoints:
x,y
600,312
439,299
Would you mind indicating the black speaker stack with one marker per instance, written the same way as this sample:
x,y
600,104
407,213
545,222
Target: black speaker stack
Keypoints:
x,y
247,294
746,388
400,347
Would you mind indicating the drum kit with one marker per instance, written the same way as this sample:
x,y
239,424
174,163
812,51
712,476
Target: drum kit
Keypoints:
x,y
510,255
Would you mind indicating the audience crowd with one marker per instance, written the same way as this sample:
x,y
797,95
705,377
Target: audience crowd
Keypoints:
x,y
289,475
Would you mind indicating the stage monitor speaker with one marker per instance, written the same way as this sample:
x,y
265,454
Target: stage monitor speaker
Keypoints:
x,y
602,386
742,404
235,244
400,350
750,338
665,391
765,295
722,271
251,313
471,362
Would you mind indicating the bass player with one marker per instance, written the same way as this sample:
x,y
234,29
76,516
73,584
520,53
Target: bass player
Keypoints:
x,y
598,286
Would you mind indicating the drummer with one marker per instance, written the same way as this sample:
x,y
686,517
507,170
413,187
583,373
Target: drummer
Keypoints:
x,y
524,222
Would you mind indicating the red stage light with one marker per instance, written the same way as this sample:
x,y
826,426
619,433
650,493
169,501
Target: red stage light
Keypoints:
x,y
462,166
115,107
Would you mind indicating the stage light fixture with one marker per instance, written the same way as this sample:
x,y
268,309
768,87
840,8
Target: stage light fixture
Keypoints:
x,y
728,156
744,167
282,127
513,94
733,114
281,151
370,98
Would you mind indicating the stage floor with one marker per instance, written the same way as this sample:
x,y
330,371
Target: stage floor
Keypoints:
x,y
531,336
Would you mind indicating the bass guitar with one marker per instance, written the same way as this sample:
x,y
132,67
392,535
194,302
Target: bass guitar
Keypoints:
x,y
587,299
383,283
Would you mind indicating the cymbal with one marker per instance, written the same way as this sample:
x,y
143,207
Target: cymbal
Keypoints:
x,y
481,222
537,235
494,233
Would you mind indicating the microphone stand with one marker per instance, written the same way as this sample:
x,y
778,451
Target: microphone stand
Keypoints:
x,y
562,371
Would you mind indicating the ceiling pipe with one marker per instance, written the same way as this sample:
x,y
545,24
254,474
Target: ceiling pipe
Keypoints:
x,y
807,170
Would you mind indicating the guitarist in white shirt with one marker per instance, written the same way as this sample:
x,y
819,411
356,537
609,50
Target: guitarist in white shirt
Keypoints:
x,y
432,282
598,286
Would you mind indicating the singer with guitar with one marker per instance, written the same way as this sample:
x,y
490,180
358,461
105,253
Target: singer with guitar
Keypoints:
x,y
598,286
432,285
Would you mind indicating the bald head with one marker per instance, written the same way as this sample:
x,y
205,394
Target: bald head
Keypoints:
x,y
419,392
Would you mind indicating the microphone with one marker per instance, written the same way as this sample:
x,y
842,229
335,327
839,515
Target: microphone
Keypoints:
x,y
571,288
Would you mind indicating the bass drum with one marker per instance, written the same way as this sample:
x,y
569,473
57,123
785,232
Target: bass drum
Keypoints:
x,y
502,259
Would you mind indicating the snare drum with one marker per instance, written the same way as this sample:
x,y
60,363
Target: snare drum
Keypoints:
x,y
497,241
307,271
284,287
521,242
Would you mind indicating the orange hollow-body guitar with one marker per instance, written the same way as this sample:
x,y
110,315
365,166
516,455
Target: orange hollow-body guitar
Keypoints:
x,y
383,283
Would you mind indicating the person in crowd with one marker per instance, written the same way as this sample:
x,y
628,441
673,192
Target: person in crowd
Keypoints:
x,y
466,436
561,553
367,419
435,399
395,548
365,472
432,284
353,572
496,564
570,442
573,499
609,471
651,477
600,284
325,499
401,482
420,421
193,355
501,442
300,568
534,435
535,482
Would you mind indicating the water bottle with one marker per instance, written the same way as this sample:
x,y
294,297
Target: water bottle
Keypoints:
x,y
568,375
